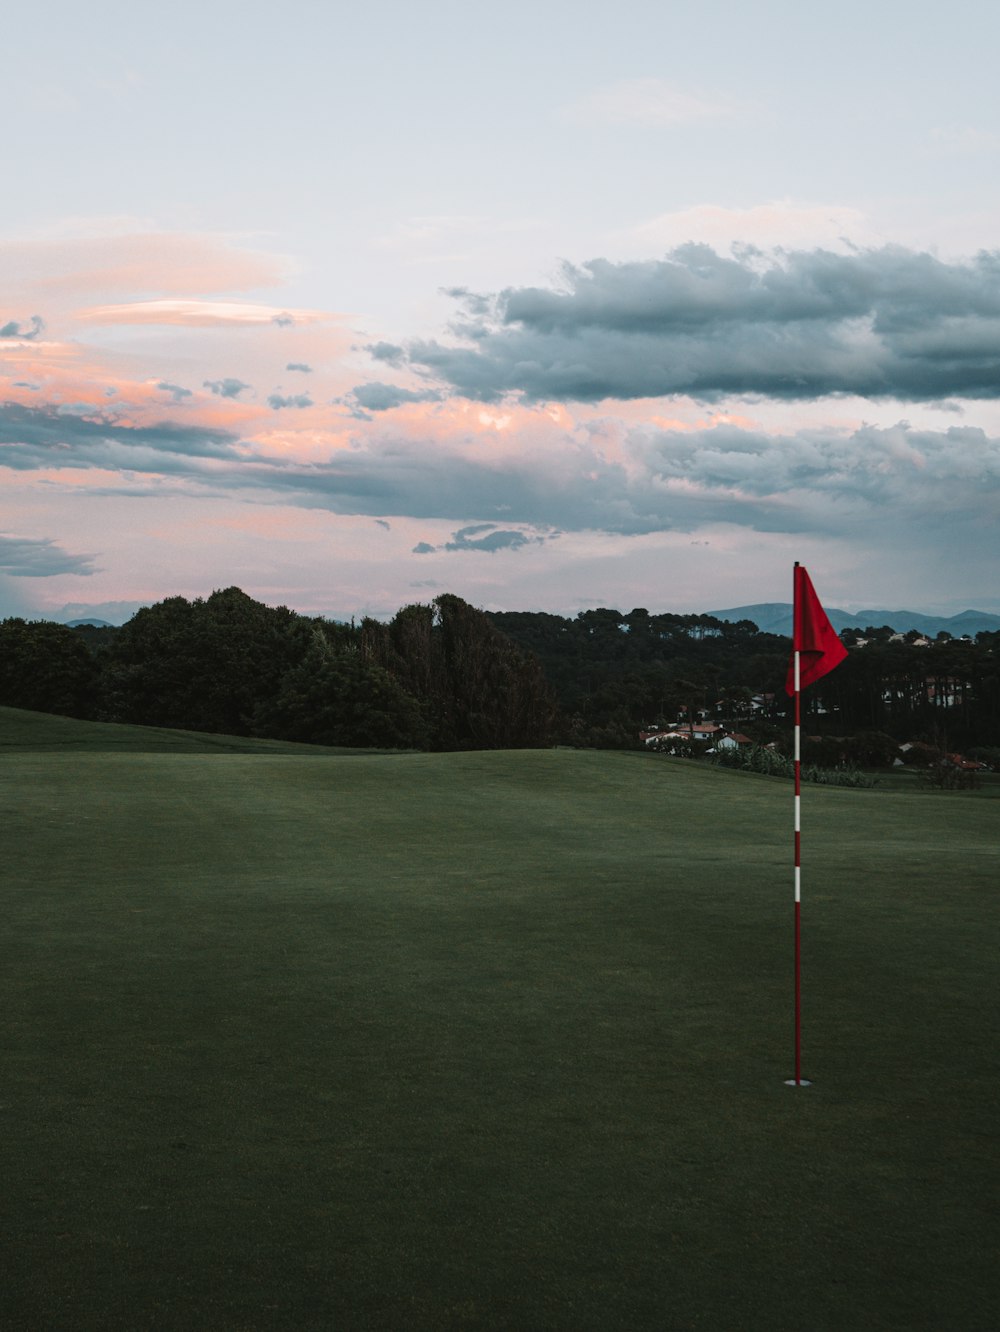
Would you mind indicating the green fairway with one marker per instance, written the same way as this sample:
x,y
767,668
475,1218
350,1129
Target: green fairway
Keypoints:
x,y
306,1039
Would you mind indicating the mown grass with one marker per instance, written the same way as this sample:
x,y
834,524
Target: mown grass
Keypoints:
x,y
491,1040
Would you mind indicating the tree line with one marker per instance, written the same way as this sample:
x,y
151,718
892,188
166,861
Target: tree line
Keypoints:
x,y
438,676
615,673
447,676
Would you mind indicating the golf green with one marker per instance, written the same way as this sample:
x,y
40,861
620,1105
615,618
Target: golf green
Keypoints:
x,y
303,1039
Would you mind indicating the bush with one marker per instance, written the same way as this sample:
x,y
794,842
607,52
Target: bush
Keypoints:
x,y
948,777
758,758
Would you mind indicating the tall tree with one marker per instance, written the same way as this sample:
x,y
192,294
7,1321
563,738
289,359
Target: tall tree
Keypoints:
x,y
335,697
46,667
203,665
478,688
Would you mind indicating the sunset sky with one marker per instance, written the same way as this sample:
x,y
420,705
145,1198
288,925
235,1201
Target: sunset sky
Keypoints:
x,y
549,305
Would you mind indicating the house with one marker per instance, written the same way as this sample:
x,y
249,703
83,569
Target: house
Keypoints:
x,y
682,731
732,740
706,732
925,756
668,741
762,703
966,765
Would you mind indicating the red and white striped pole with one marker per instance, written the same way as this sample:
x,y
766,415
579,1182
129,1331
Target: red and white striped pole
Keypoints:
x,y
814,637
798,1080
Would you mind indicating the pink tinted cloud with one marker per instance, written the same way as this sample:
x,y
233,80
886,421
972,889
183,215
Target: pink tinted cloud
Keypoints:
x,y
199,314
69,375
548,439
782,222
180,263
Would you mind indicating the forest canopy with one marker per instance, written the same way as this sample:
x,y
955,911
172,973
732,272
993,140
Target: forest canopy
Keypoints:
x,y
444,676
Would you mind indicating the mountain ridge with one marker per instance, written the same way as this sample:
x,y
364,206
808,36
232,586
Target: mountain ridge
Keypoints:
x,y
775,617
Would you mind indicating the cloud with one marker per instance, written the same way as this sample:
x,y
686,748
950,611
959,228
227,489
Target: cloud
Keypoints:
x,y
495,538
643,102
376,397
35,437
197,314
40,557
877,323
627,480
824,481
473,302
225,388
178,394
781,223
13,329
277,401
299,365
482,537
387,352
126,259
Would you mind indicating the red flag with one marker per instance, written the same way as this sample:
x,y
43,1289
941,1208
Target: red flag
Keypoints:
x,y
812,635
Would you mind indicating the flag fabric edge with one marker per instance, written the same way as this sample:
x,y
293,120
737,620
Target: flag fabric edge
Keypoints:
x,y
813,636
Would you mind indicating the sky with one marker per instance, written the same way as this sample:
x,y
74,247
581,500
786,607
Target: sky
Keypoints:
x,y
548,305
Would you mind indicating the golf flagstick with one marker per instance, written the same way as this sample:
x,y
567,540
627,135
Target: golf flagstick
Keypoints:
x,y
815,639
797,680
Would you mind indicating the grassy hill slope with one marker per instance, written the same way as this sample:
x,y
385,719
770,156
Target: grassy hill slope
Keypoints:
x,y
22,731
488,1040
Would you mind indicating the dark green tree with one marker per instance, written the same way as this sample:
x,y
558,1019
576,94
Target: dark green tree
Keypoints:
x,y
204,665
47,668
479,690
334,697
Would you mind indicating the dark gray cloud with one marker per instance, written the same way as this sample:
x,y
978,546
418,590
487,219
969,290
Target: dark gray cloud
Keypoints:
x,y
378,397
278,401
177,393
896,481
813,481
225,388
885,323
387,352
299,365
483,537
36,437
473,302
40,557
13,329
491,539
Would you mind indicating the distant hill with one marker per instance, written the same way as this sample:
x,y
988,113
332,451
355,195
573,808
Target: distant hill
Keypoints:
x,y
775,617
91,624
